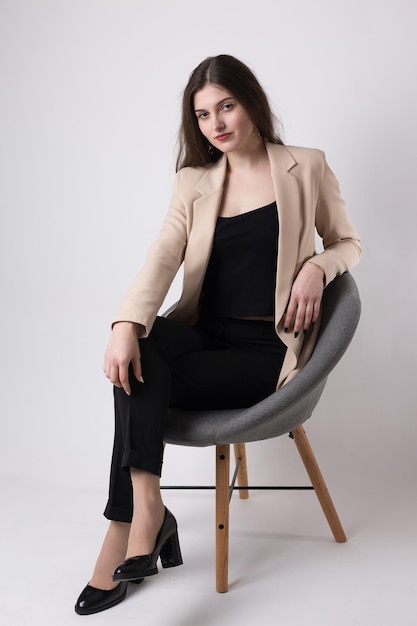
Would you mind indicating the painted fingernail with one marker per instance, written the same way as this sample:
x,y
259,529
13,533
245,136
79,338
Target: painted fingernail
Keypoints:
x,y
141,379
286,329
305,331
296,334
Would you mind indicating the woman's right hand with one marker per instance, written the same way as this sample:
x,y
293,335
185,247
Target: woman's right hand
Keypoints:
x,y
123,349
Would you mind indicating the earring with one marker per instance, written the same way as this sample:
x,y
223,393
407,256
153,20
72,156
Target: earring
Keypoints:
x,y
210,149
256,132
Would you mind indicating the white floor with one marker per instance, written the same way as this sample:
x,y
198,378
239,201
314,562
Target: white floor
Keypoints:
x,y
285,568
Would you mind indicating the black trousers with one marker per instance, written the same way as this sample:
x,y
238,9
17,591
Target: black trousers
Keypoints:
x,y
221,363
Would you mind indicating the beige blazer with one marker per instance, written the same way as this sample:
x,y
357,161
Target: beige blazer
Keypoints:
x,y
308,198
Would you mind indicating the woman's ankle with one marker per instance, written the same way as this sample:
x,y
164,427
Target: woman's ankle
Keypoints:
x,y
144,530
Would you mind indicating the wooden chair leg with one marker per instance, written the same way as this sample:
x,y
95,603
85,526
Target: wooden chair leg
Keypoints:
x,y
242,474
307,455
222,517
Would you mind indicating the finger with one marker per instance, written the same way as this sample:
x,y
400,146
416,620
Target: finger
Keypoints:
x,y
113,375
106,368
137,368
316,312
308,317
124,379
300,317
290,315
299,323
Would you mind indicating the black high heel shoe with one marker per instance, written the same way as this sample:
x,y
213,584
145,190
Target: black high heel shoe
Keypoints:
x,y
92,600
167,547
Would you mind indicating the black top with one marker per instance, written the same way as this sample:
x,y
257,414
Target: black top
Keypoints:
x,y
240,276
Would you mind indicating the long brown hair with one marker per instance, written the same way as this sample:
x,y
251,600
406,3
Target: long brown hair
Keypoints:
x,y
235,77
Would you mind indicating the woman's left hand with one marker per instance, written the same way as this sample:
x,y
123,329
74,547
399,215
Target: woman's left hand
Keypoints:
x,y
306,294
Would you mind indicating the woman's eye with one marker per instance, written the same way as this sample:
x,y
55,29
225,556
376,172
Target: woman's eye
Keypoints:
x,y
228,106
202,116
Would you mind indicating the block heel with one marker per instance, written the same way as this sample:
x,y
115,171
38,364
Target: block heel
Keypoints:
x,y
167,547
171,552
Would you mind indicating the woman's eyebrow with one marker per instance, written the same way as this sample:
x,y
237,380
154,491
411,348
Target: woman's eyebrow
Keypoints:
x,y
218,103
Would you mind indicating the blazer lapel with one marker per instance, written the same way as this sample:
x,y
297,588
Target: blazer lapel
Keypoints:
x,y
206,208
288,204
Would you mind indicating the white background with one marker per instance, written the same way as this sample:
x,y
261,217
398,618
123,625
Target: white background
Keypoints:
x,y
89,111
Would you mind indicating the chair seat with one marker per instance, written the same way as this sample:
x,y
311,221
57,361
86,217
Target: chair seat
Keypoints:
x,y
276,415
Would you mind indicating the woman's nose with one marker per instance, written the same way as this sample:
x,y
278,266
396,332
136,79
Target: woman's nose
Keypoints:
x,y
217,122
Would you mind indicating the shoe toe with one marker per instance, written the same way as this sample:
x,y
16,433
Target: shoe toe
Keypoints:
x,y
92,600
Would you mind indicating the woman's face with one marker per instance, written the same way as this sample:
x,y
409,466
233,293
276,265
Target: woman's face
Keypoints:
x,y
223,120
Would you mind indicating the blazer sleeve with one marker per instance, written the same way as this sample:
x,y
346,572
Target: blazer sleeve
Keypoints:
x,y
147,292
341,244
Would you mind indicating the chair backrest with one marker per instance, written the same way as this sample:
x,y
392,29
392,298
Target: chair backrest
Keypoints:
x,y
291,405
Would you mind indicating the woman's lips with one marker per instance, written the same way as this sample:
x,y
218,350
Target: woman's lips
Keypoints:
x,y
223,137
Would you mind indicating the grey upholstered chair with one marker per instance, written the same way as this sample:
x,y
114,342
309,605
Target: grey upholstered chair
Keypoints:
x,y
281,413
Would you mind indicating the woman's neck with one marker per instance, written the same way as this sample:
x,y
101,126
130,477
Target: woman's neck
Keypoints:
x,y
241,161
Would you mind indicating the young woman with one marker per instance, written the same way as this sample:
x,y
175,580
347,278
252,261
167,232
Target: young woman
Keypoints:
x,y
242,221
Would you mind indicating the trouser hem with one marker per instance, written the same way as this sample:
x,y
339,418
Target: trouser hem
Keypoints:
x,y
117,514
142,461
